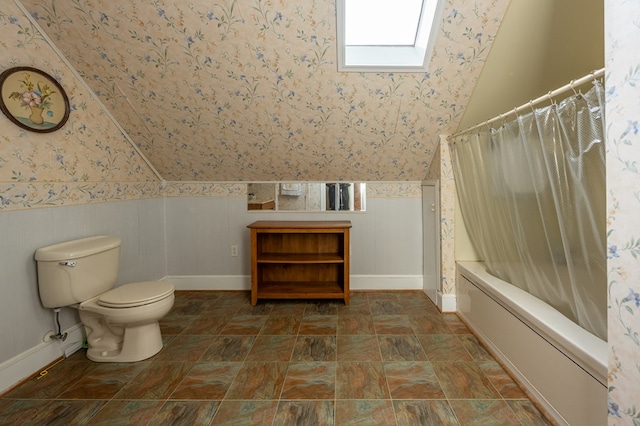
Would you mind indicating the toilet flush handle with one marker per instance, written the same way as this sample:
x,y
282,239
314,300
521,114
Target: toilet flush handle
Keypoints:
x,y
68,263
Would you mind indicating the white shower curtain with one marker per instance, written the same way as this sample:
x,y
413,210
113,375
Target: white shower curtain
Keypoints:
x,y
532,194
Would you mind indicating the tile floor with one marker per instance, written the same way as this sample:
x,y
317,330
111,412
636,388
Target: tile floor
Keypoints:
x,y
386,359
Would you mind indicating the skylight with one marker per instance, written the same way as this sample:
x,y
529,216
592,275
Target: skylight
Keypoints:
x,y
385,35
373,22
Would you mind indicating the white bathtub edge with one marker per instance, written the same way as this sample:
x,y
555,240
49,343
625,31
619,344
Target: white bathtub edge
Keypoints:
x,y
585,349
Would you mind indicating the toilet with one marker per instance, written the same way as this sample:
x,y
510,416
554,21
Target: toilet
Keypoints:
x,y
121,322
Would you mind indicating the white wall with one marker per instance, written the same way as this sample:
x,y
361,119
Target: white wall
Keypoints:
x,y
24,322
540,46
386,240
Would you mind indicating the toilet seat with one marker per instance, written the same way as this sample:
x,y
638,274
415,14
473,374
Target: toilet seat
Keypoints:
x,y
135,294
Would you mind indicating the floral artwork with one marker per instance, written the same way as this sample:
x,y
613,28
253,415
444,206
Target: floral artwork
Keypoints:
x,y
33,100
36,97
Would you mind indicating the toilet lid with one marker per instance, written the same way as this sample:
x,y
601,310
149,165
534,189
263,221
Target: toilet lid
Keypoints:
x,y
135,294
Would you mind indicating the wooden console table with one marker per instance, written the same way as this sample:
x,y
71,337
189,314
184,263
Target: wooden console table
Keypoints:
x,y
300,260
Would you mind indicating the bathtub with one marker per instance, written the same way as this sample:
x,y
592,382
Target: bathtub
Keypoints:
x,y
560,365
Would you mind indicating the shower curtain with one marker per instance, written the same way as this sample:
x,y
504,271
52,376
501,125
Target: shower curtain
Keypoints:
x,y
532,195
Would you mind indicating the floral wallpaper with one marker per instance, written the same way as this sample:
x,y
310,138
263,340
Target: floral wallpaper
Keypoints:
x,y
622,32
248,90
394,190
447,220
88,160
204,189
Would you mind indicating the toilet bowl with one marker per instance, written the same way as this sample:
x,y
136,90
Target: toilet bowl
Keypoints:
x,y
122,323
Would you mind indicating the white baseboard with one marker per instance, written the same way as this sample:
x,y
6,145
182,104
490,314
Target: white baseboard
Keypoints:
x,y
433,295
385,282
210,282
446,302
75,335
243,282
31,361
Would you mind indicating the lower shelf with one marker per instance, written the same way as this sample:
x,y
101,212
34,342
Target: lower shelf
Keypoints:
x,y
301,290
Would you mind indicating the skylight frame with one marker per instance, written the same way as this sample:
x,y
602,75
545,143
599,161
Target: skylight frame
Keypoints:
x,y
390,58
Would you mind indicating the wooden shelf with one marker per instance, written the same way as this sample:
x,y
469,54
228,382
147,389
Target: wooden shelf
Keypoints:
x,y
293,290
300,260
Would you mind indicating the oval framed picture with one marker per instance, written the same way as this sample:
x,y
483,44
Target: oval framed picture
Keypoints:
x,y
33,100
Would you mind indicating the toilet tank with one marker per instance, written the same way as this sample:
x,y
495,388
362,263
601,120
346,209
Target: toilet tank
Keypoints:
x,y
75,271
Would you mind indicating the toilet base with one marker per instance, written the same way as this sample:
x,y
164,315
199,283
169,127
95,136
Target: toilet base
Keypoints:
x,y
139,342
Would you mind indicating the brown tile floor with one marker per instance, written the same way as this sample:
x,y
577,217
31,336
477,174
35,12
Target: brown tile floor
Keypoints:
x,y
387,359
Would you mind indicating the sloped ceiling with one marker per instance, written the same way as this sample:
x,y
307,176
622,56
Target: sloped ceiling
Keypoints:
x,y
248,90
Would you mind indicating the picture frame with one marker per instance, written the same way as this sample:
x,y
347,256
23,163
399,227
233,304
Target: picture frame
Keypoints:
x,y
33,100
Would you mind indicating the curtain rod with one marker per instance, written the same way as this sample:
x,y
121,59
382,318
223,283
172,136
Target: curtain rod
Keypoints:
x,y
529,105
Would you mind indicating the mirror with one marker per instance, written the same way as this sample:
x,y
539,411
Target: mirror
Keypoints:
x,y
311,196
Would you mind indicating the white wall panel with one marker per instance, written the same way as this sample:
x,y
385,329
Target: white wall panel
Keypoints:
x,y
385,240
398,236
138,223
